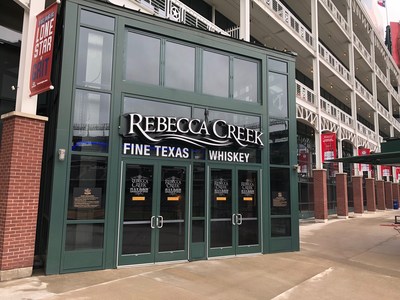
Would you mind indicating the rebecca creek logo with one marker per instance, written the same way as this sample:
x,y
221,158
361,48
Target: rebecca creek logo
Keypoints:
x,y
200,133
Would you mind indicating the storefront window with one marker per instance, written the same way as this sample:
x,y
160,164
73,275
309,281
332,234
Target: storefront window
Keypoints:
x,y
87,188
179,66
94,67
277,65
91,125
215,74
280,191
153,108
97,20
142,58
84,236
277,95
280,227
279,141
245,82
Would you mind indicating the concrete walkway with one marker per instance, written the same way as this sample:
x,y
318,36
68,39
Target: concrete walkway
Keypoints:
x,y
357,258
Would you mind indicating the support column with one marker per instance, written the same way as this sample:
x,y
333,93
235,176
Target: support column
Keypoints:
x,y
244,30
21,151
342,196
370,190
358,195
380,194
320,195
388,195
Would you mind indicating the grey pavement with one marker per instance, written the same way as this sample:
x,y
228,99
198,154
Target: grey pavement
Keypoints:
x,y
357,258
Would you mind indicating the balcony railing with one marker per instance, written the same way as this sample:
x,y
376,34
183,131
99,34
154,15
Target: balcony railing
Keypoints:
x,y
336,14
333,62
234,32
179,12
380,75
360,47
305,93
395,123
336,112
369,133
285,15
384,112
364,93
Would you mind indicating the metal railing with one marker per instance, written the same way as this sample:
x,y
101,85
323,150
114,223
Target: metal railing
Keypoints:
x,y
380,75
364,130
285,15
361,48
364,92
384,112
179,12
326,55
304,93
336,112
336,14
234,32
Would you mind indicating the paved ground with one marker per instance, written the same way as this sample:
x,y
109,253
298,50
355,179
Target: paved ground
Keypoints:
x,y
357,258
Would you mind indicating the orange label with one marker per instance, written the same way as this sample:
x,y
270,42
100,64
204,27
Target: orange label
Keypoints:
x,y
221,198
247,198
173,198
138,198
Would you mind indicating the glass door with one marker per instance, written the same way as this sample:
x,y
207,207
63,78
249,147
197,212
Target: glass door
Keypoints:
x,y
153,213
234,211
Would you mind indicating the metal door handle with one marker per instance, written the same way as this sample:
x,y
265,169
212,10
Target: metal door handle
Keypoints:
x,y
152,222
239,219
160,222
233,219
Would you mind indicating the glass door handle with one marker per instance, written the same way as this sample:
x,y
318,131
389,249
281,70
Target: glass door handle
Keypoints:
x,y
233,219
152,219
239,219
160,222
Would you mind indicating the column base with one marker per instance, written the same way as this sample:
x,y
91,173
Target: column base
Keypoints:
x,y
357,215
15,273
321,220
342,217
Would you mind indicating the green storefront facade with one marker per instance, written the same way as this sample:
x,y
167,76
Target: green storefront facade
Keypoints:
x,y
165,143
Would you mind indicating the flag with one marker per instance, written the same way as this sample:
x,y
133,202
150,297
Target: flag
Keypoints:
x,y
382,3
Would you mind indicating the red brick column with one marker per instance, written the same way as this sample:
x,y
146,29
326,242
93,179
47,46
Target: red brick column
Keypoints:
x,y
341,195
380,194
320,195
20,168
358,194
370,190
388,195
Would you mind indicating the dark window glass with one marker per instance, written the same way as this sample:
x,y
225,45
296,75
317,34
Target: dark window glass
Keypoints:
x,y
280,191
142,58
245,82
153,108
87,187
277,95
279,141
97,20
179,66
84,236
198,190
280,227
94,67
215,74
198,231
91,127
278,66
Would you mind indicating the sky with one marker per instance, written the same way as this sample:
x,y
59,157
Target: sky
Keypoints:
x,y
378,13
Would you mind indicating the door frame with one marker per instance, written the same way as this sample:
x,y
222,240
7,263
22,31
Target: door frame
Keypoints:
x,y
154,256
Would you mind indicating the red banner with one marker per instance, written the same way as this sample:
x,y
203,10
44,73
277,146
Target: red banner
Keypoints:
x,y
386,171
395,37
42,53
328,146
364,167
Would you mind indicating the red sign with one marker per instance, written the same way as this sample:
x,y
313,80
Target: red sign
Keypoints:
x,y
395,36
364,167
42,54
386,171
397,174
328,146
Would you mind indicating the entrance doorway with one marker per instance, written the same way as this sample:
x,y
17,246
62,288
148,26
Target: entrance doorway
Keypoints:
x,y
234,211
154,212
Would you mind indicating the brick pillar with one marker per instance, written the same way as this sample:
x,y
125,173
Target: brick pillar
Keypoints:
x,y
380,194
320,195
341,196
21,151
388,195
358,194
370,190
